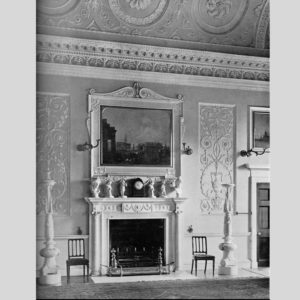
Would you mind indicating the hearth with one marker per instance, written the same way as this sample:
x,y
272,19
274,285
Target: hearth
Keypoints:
x,y
137,243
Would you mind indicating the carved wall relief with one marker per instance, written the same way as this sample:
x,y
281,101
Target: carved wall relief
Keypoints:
x,y
217,132
52,138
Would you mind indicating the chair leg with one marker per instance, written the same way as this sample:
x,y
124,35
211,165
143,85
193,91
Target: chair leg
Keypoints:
x,y
213,267
196,265
88,274
205,266
68,273
192,266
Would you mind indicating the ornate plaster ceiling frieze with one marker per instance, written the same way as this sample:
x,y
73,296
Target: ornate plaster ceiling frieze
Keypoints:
x,y
230,23
100,54
141,12
52,138
218,16
263,27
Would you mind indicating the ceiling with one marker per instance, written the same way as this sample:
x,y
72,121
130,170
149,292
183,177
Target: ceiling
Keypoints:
x,y
229,26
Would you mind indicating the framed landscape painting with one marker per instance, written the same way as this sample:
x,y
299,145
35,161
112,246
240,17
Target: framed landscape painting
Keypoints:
x,y
134,136
259,128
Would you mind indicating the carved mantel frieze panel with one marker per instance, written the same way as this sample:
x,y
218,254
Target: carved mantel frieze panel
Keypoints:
x,y
102,54
135,206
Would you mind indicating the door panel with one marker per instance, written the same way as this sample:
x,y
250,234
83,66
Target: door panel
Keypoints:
x,y
263,224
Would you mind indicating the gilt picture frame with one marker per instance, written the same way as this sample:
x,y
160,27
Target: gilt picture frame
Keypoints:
x,y
259,128
139,132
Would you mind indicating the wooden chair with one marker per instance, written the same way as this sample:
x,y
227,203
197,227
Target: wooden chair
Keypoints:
x,y
76,256
199,248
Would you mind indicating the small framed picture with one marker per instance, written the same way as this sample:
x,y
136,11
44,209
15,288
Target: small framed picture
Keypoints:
x,y
259,125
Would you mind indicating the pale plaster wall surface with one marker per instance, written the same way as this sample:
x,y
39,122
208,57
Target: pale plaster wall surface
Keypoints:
x,y
210,225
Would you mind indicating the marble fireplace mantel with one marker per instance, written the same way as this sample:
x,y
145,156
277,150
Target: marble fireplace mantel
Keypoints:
x,y
101,210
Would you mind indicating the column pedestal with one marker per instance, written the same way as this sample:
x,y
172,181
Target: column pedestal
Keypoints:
x,y
228,264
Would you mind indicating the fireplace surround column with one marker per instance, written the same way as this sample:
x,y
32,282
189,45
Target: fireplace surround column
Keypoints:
x,y
179,237
95,267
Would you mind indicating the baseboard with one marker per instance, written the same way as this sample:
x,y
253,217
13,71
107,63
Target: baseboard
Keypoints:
x,y
240,263
74,271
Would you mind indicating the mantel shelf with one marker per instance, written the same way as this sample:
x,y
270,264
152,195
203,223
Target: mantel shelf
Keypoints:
x,y
133,199
257,167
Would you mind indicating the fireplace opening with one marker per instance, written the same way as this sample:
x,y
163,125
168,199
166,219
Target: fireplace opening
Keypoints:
x,y
137,243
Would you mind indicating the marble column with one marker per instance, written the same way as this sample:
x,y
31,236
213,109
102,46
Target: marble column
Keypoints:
x,y
95,267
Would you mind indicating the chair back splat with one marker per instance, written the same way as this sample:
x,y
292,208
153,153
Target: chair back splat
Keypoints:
x,y
199,244
76,248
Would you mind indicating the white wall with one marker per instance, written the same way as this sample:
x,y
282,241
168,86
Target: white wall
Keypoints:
x,y
210,225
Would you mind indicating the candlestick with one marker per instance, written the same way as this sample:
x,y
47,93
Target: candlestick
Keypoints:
x,y
228,265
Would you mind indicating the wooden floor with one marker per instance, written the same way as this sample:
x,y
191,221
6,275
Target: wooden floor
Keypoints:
x,y
84,288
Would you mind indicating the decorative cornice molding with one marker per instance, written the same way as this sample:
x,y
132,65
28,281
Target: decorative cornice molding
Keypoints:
x,y
151,77
143,58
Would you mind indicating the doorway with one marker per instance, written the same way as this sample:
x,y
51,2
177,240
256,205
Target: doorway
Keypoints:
x,y
263,224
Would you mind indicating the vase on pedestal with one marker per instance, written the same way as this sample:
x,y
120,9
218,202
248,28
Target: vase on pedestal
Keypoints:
x,y
228,264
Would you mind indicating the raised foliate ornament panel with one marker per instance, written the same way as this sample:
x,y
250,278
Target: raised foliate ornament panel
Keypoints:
x,y
139,132
53,151
216,148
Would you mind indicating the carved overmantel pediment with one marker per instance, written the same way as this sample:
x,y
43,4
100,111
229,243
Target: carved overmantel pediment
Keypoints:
x,y
135,205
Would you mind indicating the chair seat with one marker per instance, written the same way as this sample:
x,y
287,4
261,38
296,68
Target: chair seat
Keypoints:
x,y
203,256
77,261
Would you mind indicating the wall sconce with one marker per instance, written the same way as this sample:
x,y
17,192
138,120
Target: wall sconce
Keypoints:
x,y
187,150
190,229
248,152
87,146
